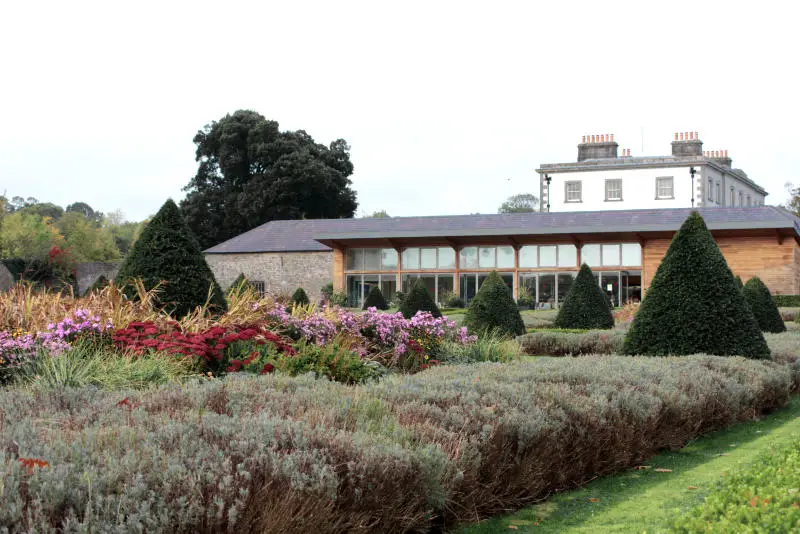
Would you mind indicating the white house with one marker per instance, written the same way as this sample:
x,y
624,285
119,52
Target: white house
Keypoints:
x,y
603,180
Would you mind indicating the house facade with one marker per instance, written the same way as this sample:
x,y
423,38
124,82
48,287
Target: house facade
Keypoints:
x,y
603,179
538,254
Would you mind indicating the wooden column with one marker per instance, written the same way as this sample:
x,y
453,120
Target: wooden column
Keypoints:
x,y
338,270
515,284
457,274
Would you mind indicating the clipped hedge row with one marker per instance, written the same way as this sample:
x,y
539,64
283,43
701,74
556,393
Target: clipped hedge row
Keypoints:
x,y
410,453
787,301
570,343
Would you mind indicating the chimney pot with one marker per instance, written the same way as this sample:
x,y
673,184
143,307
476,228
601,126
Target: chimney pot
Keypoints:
x,y
697,135
691,135
726,152
583,139
592,138
676,136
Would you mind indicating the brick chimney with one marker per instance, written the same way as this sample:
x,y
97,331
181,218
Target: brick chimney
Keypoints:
x,y
687,144
597,147
720,156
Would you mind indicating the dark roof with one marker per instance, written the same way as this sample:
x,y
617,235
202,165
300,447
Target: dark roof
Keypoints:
x,y
304,235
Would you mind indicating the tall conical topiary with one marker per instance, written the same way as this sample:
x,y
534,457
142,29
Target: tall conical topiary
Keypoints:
x,y
493,309
586,304
764,308
693,304
739,282
167,252
375,299
299,297
240,282
418,299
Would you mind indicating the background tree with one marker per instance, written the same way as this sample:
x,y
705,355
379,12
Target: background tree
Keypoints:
x,y
793,204
86,210
693,304
85,240
381,214
586,304
168,252
44,209
250,172
493,309
523,203
28,236
764,308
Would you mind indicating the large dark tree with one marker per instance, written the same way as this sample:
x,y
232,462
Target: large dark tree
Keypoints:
x,y
168,253
250,172
82,207
693,304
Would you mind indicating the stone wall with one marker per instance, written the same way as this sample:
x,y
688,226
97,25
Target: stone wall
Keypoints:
x,y
281,272
87,273
6,278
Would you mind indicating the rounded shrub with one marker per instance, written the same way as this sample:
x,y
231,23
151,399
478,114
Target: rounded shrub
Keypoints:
x,y
586,305
763,307
418,299
299,297
693,304
493,309
167,253
375,299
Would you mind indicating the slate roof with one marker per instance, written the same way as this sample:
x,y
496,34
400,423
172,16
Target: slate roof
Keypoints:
x,y
304,235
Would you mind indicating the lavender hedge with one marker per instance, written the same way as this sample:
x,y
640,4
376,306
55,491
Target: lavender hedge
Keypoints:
x,y
409,453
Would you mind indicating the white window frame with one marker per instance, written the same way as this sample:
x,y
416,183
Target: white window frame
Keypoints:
x,y
671,181
579,191
608,189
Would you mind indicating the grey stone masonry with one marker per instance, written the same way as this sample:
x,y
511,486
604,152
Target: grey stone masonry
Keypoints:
x,y
692,147
281,272
601,150
88,273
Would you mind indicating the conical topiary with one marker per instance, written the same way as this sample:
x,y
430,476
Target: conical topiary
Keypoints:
x,y
586,305
240,282
167,253
739,282
763,307
493,309
418,299
693,304
299,298
375,299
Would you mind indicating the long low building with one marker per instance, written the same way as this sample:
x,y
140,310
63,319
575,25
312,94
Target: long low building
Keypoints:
x,y
537,254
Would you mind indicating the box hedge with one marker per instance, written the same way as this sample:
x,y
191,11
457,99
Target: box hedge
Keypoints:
x,y
586,306
763,306
375,299
693,304
494,310
418,299
167,253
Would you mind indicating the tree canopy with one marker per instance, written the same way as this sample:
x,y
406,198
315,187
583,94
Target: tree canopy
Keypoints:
x,y
522,203
249,173
86,210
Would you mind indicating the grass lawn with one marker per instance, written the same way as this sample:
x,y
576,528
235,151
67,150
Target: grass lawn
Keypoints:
x,y
643,500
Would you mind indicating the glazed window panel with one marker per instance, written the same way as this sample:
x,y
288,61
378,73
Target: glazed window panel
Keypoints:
x,y
611,255
631,254
469,258
572,191
355,259
529,256
548,256
427,258
486,258
505,257
567,256
411,258
590,255
665,187
372,259
447,258
614,189
388,259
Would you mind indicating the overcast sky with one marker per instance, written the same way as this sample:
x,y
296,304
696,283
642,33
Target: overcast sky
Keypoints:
x,y
448,106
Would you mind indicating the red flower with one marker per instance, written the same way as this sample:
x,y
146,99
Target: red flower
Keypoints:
x,y
268,368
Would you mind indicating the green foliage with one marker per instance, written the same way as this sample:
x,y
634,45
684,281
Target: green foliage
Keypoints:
x,y
418,299
572,342
250,173
739,282
398,298
379,454
299,297
326,291
693,304
28,236
523,203
339,299
99,284
493,309
525,300
764,309
761,497
86,240
168,252
491,347
586,306
90,365
86,210
335,360
450,300
240,282
375,299
787,301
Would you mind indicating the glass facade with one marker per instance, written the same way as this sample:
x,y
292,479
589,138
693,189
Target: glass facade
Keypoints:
x,y
358,287
438,285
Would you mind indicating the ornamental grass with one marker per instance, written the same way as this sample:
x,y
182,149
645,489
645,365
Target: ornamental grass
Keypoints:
x,y
407,454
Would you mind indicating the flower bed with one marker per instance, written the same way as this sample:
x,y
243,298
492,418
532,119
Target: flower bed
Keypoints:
x,y
409,453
